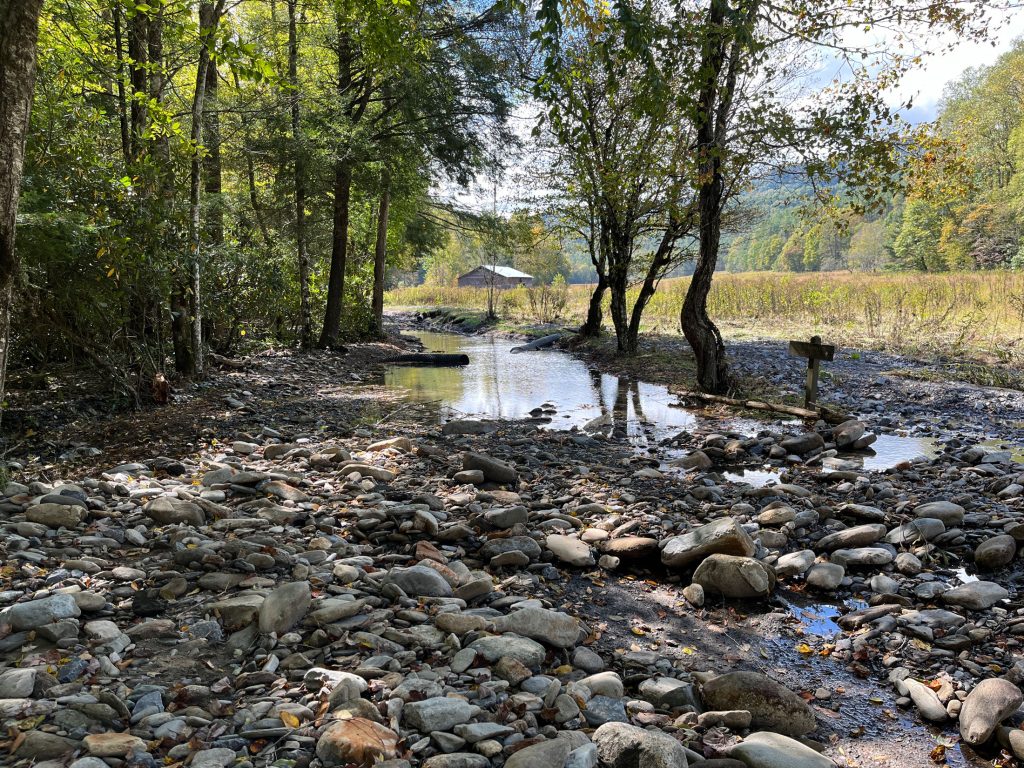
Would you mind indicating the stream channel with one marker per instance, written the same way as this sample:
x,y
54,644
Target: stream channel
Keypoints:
x,y
498,384
558,391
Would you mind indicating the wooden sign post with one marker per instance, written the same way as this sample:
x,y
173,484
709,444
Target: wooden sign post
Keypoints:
x,y
815,352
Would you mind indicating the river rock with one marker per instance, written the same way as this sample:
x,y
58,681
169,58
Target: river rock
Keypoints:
x,y
356,741
736,577
949,513
862,556
40,745
771,705
794,563
17,683
548,754
921,529
987,705
113,744
620,745
723,536
46,610
170,510
55,515
826,576
995,553
570,550
803,444
419,581
440,713
850,538
494,470
284,607
527,652
552,627
772,750
926,701
976,595
630,547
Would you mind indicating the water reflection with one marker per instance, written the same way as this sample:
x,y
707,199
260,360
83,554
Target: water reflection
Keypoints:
x,y
497,384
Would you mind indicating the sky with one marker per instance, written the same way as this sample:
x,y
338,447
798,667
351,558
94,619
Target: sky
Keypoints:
x,y
925,84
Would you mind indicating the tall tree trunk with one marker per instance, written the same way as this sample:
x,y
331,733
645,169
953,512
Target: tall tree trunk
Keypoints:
x,y
618,249
122,100
719,55
330,335
380,255
19,30
138,54
298,149
331,332
209,16
213,183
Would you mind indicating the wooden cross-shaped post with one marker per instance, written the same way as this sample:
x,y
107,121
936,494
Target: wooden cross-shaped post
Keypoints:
x,y
815,352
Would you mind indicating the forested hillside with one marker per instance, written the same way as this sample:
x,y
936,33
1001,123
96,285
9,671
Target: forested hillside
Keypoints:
x,y
965,208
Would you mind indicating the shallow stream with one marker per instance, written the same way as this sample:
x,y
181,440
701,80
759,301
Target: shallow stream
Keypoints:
x,y
562,392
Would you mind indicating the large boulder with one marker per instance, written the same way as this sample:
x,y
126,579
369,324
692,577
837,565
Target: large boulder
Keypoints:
x,y
988,704
772,706
723,536
620,745
732,576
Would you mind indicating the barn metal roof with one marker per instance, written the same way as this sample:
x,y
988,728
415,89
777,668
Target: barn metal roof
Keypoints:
x,y
503,271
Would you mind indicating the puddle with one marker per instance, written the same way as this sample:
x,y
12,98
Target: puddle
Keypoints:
x,y
758,478
819,619
499,385
1016,451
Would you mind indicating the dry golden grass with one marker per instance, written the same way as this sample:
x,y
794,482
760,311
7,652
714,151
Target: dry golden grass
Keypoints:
x,y
975,315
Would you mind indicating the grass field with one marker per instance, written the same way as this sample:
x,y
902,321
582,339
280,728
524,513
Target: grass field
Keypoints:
x,y
975,315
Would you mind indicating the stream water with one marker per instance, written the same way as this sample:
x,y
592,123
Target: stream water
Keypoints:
x,y
562,392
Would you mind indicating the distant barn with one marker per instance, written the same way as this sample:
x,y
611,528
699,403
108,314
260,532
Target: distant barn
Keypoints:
x,y
486,276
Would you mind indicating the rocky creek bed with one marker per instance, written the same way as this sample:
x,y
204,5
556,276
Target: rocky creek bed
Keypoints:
x,y
309,571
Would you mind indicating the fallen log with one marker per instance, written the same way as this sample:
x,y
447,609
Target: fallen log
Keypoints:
x,y
832,417
436,359
541,343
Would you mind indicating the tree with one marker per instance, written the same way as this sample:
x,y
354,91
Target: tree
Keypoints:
x,y
19,29
846,134
298,150
622,161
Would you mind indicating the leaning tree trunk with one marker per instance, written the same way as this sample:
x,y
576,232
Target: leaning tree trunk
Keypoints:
x,y
700,331
595,311
380,255
711,123
591,328
19,30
